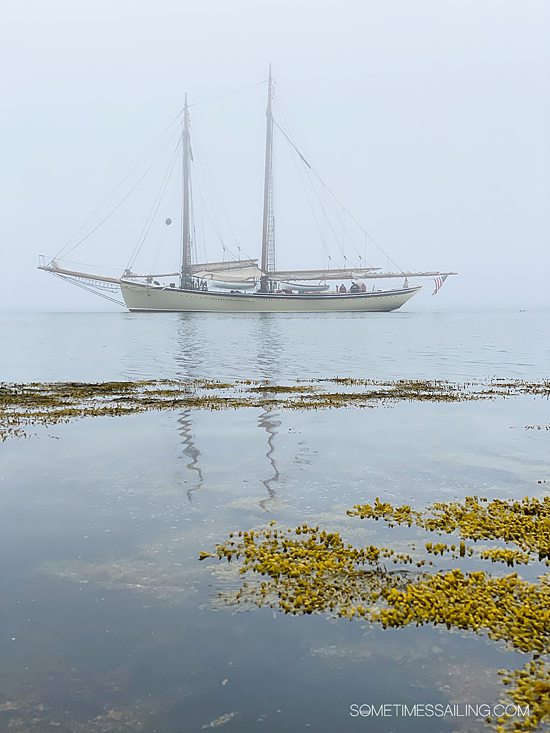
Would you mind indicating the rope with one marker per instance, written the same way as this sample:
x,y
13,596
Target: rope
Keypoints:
x,y
97,267
227,94
63,251
193,227
108,216
211,191
155,207
89,288
319,201
338,201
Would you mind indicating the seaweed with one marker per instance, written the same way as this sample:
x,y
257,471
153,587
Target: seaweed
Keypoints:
x,y
305,570
48,403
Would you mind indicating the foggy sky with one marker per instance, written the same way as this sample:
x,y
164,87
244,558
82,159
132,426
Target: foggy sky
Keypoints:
x,y
429,118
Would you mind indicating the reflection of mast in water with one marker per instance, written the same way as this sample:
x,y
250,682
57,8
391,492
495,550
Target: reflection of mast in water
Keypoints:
x,y
190,450
188,358
267,420
269,346
268,362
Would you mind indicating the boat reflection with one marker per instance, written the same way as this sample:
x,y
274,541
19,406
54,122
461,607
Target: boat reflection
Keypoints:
x,y
189,358
268,421
191,451
191,361
268,338
269,343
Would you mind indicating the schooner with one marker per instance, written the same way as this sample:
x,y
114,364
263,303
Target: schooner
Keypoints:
x,y
247,286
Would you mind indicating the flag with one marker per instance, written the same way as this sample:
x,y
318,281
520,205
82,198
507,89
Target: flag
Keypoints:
x,y
439,280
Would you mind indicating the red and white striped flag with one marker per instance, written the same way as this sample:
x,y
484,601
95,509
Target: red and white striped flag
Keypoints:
x,y
439,280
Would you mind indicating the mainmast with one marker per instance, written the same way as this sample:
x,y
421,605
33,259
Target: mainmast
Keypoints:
x,y
268,230
185,280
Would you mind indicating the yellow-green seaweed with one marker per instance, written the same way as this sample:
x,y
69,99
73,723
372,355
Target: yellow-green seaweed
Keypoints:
x,y
529,686
311,570
524,522
48,403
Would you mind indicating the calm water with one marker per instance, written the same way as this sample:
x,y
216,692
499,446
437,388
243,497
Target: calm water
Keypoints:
x,y
109,622
100,346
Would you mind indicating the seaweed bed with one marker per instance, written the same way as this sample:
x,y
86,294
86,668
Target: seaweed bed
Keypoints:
x,y
307,570
48,403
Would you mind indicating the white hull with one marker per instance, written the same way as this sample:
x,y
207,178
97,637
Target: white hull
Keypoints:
x,y
140,297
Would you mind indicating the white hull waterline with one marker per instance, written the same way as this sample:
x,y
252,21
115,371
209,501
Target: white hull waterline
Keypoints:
x,y
139,297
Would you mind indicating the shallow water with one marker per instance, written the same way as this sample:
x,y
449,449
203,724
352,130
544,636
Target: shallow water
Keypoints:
x,y
108,620
431,345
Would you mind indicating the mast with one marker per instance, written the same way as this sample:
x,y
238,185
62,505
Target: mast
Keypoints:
x,y
185,279
268,229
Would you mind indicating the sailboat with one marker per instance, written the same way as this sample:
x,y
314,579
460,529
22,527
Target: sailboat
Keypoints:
x,y
247,286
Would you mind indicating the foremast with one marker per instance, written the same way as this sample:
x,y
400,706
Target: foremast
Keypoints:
x,y
185,275
268,228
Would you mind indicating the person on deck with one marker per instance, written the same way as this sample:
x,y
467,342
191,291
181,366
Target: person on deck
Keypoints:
x,y
354,288
343,288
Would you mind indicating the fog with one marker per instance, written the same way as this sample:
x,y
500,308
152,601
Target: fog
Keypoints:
x,y
429,119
